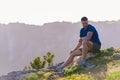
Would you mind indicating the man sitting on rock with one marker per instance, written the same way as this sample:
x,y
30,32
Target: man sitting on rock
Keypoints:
x,y
90,42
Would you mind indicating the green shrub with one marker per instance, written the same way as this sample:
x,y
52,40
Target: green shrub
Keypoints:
x,y
49,58
26,68
113,76
32,76
79,77
37,63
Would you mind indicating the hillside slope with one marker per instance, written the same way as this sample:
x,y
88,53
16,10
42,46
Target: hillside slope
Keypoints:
x,y
107,67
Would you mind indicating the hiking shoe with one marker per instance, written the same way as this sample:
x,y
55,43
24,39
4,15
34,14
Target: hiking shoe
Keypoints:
x,y
59,68
82,62
89,65
89,55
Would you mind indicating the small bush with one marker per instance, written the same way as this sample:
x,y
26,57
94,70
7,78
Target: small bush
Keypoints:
x,y
113,76
37,63
80,77
32,76
26,68
49,58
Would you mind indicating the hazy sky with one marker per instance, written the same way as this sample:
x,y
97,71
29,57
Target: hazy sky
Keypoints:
x,y
42,11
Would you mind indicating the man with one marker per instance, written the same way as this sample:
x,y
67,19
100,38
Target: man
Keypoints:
x,y
89,40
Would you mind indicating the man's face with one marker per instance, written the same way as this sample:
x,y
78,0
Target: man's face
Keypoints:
x,y
84,23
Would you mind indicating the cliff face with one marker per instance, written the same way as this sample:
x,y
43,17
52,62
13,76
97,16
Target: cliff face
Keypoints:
x,y
20,43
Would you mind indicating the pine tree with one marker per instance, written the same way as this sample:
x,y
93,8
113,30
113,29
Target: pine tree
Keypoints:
x,y
37,63
49,58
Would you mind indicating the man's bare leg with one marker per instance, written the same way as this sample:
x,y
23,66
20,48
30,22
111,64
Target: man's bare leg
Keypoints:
x,y
71,57
87,46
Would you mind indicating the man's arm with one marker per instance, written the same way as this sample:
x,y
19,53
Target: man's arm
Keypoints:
x,y
78,45
88,37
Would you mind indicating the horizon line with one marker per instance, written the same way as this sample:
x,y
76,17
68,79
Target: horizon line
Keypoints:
x,y
56,21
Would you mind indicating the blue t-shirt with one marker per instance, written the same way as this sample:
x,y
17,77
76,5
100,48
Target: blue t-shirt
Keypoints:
x,y
95,36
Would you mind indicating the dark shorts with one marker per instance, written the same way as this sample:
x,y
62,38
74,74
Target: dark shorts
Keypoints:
x,y
95,48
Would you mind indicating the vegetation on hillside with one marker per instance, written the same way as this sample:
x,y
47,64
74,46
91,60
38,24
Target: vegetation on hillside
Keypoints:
x,y
39,63
107,67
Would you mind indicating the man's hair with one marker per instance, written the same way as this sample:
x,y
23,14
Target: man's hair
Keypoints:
x,y
84,19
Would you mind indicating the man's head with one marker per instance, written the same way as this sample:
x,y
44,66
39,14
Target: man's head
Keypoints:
x,y
84,21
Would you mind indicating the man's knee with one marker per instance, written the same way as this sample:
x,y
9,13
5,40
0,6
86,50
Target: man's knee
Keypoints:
x,y
84,42
87,44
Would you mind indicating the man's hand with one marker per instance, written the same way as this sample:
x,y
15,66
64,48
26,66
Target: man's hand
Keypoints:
x,y
80,40
84,38
71,51
78,46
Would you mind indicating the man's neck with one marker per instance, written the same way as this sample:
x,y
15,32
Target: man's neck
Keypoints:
x,y
86,27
